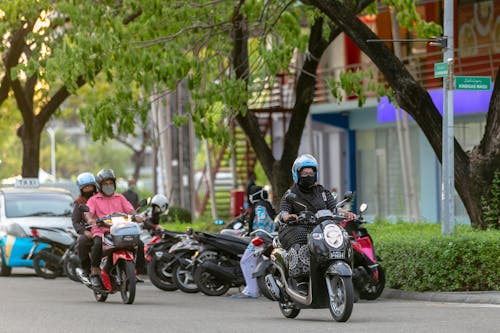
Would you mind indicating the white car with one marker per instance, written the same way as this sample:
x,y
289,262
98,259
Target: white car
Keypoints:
x,y
22,208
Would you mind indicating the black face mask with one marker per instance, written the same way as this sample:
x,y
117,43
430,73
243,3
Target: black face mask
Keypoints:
x,y
87,195
305,183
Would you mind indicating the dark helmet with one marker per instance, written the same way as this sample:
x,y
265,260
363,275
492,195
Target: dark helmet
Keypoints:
x,y
105,174
257,193
85,179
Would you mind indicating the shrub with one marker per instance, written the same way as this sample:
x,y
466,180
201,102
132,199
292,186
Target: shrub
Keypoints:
x,y
418,257
177,214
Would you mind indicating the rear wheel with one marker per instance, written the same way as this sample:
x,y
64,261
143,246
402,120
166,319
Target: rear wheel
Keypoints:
x,y
342,297
183,277
208,283
128,281
374,290
261,283
4,269
160,272
44,265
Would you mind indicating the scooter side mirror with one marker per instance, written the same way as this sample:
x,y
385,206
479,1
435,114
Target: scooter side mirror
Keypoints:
x,y
363,207
291,197
144,202
348,196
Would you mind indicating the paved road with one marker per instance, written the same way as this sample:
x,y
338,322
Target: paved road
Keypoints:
x,y
32,304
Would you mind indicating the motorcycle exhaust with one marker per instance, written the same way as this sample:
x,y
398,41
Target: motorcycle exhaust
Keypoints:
x,y
226,274
272,286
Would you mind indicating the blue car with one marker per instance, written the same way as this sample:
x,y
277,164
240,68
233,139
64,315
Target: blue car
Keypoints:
x,y
22,208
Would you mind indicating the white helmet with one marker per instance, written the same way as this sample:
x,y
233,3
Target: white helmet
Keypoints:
x,y
160,202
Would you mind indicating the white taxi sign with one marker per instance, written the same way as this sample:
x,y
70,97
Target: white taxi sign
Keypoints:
x,y
27,183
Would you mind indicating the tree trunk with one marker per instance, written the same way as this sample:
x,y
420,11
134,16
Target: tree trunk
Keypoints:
x,y
31,151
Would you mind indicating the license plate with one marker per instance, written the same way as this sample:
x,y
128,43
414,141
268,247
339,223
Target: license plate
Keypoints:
x,y
336,255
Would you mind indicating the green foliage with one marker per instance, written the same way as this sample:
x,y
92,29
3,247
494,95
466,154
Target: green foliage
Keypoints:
x,y
177,214
417,257
490,203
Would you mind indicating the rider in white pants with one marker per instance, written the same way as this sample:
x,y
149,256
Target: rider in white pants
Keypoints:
x,y
262,217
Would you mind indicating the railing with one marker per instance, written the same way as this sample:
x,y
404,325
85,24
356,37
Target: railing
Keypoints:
x,y
482,60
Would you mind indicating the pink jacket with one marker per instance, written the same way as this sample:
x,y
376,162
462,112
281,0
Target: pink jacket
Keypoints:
x,y
100,206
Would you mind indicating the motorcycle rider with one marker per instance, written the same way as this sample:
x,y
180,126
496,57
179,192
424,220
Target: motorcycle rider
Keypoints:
x,y
88,187
315,197
261,217
106,202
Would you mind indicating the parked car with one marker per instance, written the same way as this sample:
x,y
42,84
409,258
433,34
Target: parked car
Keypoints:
x,y
22,208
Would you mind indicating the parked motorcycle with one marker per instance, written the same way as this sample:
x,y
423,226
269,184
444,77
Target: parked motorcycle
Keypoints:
x,y
161,262
184,265
218,262
263,246
330,275
120,245
48,262
368,275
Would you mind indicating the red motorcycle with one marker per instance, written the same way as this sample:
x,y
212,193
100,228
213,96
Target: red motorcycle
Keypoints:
x,y
119,246
368,275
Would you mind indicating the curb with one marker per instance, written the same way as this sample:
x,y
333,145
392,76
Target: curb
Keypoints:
x,y
478,297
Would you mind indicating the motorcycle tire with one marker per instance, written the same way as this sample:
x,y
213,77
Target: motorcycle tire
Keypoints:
x,y
374,290
4,269
70,269
208,283
128,281
342,300
184,279
43,265
160,273
289,311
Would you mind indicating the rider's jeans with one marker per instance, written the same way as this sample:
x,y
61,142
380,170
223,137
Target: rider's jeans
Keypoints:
x,y
247,263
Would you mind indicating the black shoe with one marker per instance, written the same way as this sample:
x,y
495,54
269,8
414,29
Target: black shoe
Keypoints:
x,y
95,280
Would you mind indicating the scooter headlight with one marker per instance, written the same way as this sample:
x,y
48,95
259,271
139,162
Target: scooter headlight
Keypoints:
x,y
333,235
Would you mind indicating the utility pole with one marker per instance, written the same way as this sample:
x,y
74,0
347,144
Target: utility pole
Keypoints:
x,y
448,179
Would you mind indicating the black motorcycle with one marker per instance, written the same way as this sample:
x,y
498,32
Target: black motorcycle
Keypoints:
x,y
184,266
48,262
329,276
160,261
218,262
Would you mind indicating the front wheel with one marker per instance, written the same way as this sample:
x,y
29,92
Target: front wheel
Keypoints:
x,y
45,265
128,281
160,272
208,283
341,297
183,277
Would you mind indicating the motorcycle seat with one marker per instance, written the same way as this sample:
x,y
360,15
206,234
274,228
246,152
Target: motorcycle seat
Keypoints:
x,y
235,239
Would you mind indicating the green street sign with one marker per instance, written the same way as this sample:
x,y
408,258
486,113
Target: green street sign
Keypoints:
x,y
473,82
441,69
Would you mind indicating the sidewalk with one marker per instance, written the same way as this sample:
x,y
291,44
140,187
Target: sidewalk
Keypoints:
x,y
481,297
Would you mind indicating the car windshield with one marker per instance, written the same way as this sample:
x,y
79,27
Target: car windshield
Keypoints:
x,y
38,204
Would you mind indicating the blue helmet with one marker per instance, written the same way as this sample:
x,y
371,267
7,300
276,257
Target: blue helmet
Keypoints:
x,y
85,179
304,161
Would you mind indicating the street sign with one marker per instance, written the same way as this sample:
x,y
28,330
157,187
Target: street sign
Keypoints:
x,y
441,69
473,82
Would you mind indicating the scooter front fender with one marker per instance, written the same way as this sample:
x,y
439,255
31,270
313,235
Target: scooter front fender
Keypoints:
x,y
340,268
123,254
